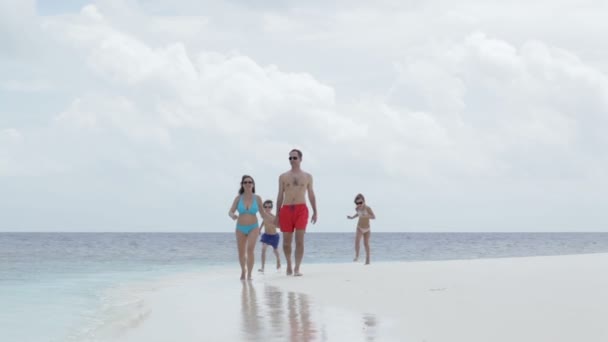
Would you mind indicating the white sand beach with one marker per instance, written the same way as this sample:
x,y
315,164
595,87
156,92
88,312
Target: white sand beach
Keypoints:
x,y
557,298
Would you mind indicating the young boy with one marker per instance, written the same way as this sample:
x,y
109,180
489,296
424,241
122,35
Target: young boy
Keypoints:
x,y
270,237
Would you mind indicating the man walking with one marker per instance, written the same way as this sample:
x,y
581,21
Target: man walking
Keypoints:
x,y
292,210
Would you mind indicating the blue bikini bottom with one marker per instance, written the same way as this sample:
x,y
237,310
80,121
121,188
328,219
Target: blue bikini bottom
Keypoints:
x,y
246,229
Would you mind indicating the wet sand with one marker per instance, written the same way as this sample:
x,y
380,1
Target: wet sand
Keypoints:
x,y
559,298
222,308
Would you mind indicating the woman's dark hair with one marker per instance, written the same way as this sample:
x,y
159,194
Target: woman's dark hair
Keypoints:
x,y
242,189
359,196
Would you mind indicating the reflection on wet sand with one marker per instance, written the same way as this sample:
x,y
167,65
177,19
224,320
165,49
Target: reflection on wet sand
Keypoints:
x,y
369,327
291,316
300,324
274,303
250,312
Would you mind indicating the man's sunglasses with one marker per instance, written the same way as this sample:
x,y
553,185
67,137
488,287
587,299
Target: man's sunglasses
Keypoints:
x,y
293,158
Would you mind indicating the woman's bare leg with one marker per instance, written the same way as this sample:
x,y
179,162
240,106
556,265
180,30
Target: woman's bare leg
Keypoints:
x,y
241,242
252,238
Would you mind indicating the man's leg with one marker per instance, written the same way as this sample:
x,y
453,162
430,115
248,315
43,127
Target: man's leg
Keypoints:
x,y
299,250
287,238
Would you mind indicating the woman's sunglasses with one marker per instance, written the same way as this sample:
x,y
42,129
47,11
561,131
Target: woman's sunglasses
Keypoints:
x,y
358,203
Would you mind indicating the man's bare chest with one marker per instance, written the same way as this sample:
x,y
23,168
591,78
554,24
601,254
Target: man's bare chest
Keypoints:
x,y
295,181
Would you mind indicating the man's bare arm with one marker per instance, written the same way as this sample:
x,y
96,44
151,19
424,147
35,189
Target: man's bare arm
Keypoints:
x,y
279,200
313,200
280,194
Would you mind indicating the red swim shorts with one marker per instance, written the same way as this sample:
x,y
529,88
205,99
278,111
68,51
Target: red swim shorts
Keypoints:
x,y
292,217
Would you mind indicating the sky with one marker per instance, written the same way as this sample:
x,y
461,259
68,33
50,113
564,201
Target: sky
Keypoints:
x,y
449,116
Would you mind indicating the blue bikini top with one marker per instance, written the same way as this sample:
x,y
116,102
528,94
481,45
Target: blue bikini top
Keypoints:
x,y
252,210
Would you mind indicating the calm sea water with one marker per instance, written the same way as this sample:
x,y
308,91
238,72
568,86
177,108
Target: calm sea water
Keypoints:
x,y
52,285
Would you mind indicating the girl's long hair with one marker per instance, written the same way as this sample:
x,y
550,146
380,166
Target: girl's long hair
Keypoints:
x,y
359,196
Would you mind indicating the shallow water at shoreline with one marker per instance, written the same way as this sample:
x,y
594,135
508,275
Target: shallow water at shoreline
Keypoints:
x,y
53,284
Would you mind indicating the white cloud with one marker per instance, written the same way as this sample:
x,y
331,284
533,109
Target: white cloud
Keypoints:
x,y
16,18
423,98
25,85
9,139
114,113
10,136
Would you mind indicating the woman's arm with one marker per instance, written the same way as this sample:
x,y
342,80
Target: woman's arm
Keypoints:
x,y
352,217
233,209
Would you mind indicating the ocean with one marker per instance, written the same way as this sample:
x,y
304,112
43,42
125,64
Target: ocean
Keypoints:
x,y
80,286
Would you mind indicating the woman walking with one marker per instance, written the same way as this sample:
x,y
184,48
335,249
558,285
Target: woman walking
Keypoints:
x,y
247,203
